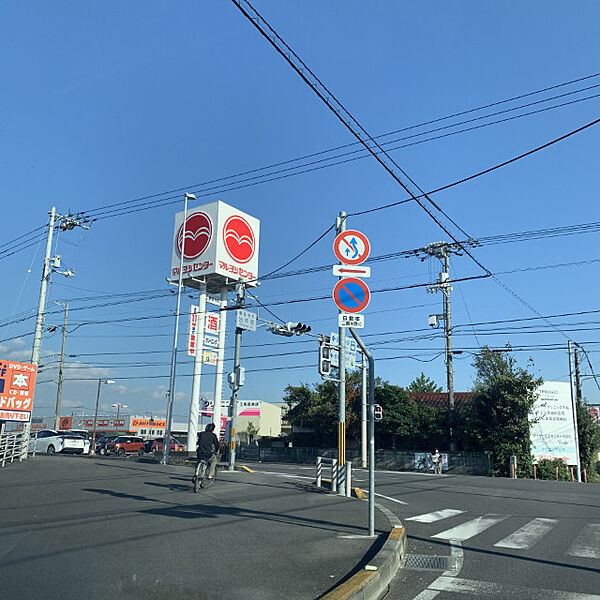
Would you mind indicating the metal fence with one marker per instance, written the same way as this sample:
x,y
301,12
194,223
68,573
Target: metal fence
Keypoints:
x,y
13,447
468,463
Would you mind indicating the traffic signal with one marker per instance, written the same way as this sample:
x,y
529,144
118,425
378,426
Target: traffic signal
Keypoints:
x,y
378,412
297,328
324,360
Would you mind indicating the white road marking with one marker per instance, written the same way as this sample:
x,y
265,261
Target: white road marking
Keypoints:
x,y
285,475
470,528
456,552
438,515
528,535
587,543
391,499
488,589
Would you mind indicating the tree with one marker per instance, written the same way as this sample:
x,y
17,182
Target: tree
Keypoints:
x,y
252,430
589,440
423,384
499,419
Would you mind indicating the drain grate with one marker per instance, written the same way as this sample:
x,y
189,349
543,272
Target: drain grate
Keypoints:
x,y
424,561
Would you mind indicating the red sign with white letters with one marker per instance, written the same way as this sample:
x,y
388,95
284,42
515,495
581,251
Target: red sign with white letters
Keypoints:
x,y
17,383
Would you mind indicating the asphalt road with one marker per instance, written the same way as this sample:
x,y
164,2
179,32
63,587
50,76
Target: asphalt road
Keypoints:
x,y
108,527
479,537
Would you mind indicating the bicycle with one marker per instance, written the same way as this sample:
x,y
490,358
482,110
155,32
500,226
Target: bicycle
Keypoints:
x,y
200,478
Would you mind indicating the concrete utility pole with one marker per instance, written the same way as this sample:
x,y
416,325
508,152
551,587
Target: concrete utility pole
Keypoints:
x,y
60,368
578,394
442,250
39,320
574,412
340,228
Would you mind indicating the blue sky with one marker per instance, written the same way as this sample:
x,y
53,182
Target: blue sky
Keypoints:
x,y
102,106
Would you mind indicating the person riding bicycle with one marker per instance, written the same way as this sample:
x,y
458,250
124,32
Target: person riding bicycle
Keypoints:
x,y
208,448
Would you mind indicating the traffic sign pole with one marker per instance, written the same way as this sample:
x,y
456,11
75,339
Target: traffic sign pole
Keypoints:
x,y
341,227
369,357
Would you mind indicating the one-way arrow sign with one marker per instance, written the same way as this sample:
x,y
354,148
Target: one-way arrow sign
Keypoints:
x,y
351,271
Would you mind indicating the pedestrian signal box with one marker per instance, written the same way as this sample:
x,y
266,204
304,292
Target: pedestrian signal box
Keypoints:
x,y
378,412
324,360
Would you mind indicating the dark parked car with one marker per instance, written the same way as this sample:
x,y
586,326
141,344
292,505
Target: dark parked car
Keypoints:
x,y
148,446
101,443
125,444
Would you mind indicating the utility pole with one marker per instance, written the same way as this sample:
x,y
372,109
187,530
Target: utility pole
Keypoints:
x,y
60,369
340,228
578,394
442,250
574,412
39,320
235,382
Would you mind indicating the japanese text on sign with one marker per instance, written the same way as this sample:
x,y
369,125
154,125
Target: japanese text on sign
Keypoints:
x,y
17,383
211,323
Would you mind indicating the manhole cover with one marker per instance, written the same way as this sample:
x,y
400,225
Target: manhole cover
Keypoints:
x,y
423,561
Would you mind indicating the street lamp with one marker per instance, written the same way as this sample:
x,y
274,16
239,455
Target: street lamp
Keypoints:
x,y
100,382
118,406
171,390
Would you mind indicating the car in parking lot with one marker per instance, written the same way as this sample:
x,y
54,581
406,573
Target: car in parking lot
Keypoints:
x,y
51,441
100,447
125,444
174,446
81,433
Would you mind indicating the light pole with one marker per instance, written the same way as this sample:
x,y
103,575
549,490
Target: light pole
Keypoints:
x,y
93,444
118,406
171,392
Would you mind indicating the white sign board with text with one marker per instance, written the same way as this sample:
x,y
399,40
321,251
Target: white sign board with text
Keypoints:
x,y
220,240
551,430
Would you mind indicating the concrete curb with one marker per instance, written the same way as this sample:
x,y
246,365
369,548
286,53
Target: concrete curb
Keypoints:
x,y
372,581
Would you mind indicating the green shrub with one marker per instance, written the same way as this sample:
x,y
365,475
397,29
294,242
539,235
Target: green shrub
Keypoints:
x,y
546,469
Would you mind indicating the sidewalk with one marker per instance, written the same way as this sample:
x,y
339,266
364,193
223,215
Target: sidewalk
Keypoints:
x,y
77,527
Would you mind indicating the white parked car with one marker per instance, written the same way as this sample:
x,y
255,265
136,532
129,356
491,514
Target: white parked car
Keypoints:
x,y
84,433
51,441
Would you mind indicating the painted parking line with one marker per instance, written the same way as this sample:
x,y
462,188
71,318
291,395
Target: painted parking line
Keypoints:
x,y
528,535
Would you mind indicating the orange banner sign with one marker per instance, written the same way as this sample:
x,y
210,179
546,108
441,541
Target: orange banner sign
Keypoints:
x,y
17,383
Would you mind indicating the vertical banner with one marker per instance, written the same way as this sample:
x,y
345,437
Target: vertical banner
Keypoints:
x,y
17,383
193,331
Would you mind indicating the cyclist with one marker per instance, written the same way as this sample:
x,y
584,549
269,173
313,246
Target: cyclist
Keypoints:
x,y
208,448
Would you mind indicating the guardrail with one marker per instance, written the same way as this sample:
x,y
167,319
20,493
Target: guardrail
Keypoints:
x,y
13,446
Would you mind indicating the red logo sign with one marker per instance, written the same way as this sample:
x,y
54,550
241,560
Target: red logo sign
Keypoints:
x,y
198,233
238,238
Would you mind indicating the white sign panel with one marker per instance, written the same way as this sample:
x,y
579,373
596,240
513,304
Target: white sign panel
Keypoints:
x,y
551,431
349,342
245,319
211,342
193,331
334,355
348,320
219,240
211,323
351,271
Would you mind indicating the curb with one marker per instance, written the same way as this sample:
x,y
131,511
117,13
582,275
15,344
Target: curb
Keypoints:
x,y
372,581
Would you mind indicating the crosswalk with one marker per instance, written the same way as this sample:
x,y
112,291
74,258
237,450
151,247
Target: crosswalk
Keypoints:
x,y
585,545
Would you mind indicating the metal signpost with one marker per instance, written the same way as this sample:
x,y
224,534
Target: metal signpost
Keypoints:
x,y
351,295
